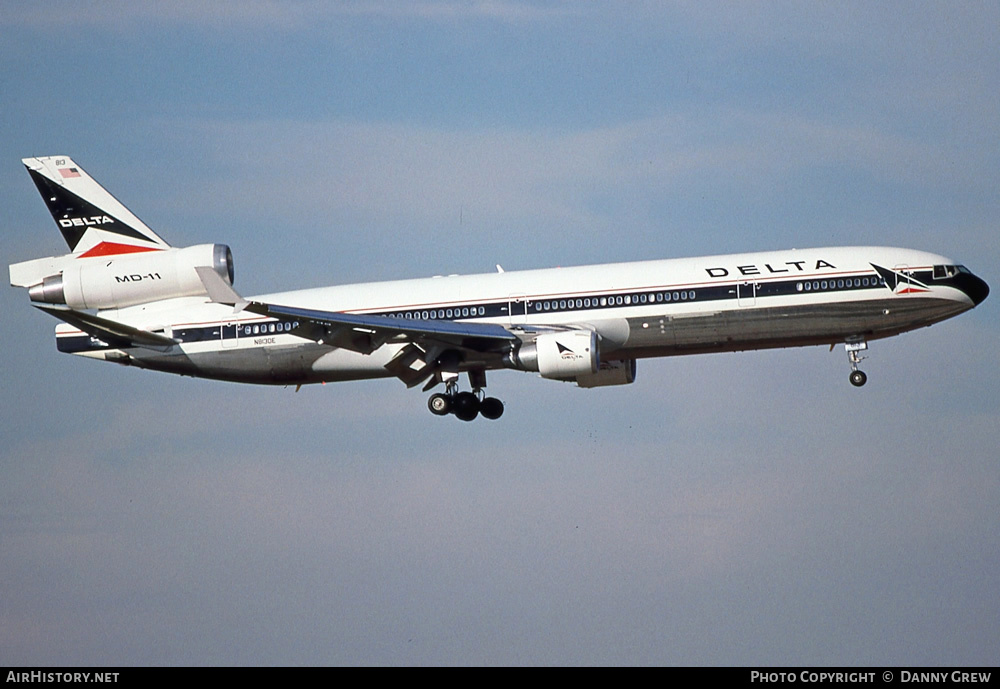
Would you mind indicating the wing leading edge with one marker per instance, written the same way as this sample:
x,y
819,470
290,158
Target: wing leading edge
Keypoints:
x,y
366,333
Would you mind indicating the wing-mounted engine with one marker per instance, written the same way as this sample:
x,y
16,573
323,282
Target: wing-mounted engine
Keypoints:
x,y
560,356
104,282
621,372
573,355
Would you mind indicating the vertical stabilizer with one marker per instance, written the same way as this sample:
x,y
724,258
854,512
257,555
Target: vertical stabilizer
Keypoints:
x,y
93,222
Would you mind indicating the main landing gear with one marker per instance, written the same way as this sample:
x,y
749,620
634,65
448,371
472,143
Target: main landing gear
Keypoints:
x,y
854,349
465,405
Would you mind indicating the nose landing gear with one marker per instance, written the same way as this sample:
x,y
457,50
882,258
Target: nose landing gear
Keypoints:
x,y
854,349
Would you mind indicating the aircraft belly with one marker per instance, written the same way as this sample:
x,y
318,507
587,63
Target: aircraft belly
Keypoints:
x,y
242,365
281,365
290,364
782,326
343,364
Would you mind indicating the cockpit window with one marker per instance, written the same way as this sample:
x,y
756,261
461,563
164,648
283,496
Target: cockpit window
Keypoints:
x,y
944,272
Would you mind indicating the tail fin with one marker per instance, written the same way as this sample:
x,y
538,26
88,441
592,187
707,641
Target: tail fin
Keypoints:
x,y
93,222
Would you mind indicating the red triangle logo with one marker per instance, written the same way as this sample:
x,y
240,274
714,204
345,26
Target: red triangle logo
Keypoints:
x,y
115,249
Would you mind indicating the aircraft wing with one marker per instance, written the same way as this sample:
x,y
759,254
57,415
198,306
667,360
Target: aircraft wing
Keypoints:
x,y
113,333
366,333
425,340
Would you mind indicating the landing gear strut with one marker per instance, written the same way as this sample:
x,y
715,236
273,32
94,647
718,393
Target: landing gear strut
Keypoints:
x,y
466,405
854,349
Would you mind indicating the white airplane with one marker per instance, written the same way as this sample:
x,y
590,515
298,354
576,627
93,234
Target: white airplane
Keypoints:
x,y
127,296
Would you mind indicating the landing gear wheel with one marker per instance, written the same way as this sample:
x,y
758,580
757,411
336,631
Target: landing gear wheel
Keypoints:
x,y
491,408
858,378
466,406
440,404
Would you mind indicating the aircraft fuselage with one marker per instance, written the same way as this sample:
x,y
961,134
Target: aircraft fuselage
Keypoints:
x,y
641,310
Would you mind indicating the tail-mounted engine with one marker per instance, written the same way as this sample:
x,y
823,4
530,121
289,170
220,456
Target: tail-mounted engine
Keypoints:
x,y
103,282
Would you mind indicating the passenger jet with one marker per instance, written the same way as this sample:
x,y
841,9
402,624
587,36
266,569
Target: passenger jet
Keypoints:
x,y
126,296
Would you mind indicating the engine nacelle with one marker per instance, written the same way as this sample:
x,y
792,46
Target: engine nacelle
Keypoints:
x,y
118,281
560,356
620,372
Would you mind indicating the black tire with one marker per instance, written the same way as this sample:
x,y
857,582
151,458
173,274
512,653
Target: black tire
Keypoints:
x,y
440,405
858,378
491,408
466,406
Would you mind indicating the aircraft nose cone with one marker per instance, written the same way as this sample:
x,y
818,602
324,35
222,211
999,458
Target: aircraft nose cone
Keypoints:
x,y
976,288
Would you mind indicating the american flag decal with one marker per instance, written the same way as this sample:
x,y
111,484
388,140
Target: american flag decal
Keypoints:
x,y
69,172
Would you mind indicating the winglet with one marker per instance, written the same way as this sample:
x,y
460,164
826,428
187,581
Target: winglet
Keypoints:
x,y
219,291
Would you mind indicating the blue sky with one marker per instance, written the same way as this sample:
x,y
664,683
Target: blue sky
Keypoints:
x,y
745,509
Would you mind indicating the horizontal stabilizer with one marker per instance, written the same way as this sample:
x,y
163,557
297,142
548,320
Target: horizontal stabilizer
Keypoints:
x,y
113,333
